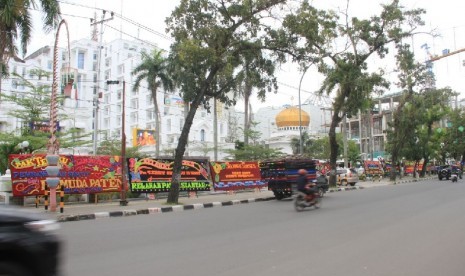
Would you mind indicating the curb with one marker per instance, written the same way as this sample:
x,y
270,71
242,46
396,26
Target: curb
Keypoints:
x,y
158,210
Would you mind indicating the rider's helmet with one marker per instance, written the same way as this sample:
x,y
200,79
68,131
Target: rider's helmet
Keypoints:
x,y
302,172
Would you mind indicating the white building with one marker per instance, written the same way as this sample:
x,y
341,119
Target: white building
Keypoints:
x,y
118,59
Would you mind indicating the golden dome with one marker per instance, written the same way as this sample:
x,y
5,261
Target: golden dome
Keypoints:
x,y
290,117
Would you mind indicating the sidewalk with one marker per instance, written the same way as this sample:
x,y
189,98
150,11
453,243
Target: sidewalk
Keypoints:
x,y
86,211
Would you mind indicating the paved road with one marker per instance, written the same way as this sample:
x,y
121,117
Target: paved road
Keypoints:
x,y
84,211
410,229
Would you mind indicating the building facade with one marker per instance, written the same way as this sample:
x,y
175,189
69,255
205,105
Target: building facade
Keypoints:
x,y
94,107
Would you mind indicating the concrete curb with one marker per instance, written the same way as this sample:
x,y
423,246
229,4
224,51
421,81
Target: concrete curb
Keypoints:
x,y
158,210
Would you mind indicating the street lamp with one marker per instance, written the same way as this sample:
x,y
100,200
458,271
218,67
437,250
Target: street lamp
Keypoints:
x,y
123,201
53,144
24,145
301,142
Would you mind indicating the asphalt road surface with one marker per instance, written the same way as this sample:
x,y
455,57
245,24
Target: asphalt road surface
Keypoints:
x,y
407,229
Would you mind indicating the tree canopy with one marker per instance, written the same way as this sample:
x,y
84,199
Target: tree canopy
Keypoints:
x,y
212,39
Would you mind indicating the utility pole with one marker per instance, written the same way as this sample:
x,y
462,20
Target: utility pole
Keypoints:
x,y
301,142
123,201
215,129
97,85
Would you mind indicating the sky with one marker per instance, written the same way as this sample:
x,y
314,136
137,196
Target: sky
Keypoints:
x,y
445,16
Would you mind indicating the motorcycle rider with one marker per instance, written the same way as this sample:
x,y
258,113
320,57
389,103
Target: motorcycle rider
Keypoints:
x,y
304,186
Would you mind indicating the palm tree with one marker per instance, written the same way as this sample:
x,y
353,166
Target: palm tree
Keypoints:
x,y
155,71
16,23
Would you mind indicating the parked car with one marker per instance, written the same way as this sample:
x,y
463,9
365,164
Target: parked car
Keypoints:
x,y
29,245
345,176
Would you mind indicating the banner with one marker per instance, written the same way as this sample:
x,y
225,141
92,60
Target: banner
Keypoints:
x,y
236,175
409,167
373,167
143,137
79,174
154,175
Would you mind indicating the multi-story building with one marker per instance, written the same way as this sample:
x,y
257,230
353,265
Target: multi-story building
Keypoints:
x,y
90,92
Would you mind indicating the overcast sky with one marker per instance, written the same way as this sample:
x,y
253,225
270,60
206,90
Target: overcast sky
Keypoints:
x,y
445,15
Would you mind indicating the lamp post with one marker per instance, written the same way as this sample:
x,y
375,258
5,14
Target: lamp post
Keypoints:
x,y
53,145
24,145
301,142
123,201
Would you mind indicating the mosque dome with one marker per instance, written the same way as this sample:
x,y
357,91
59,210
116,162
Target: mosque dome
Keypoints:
x,y
289,117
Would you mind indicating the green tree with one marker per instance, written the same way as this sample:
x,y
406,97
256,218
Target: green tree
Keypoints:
x,y
153,69
346,70
33,111
318,148
404,133
453,136
253,151
212,40
112,146
295,144
16,22
434,108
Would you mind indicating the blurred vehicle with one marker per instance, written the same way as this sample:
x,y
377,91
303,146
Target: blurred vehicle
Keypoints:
x,y
29,245
345,176
281,175
447,170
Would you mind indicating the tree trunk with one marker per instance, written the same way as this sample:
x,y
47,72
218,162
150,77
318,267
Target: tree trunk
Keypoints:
x,y
334,148
215,130
394,157
173,195
247,92
157,122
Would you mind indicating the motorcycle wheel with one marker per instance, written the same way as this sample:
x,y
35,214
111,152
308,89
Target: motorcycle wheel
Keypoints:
x,y
299,203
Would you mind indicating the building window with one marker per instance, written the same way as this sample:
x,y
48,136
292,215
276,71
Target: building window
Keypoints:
x,y
107,98
150,114
135,103
121,69
202,135
81,60
134,117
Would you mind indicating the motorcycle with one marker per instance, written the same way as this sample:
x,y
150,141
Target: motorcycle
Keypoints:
x,y
454,177
300,203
